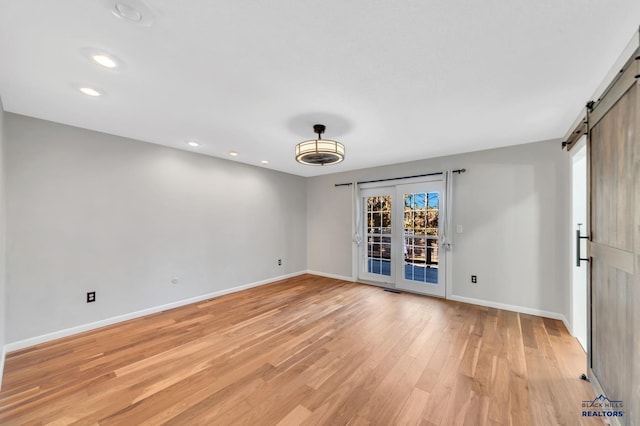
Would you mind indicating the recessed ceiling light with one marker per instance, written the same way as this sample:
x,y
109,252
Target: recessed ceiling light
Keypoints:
x,y
233,153
90,91
265,161
126,11
104,60
193,143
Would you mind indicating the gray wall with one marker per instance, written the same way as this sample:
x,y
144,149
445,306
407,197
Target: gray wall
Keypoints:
x,y
2,244
513,204
88,211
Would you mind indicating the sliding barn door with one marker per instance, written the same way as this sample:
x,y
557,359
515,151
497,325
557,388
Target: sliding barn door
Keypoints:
x,y
614,142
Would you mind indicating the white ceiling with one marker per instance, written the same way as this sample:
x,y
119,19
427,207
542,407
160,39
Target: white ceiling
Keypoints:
x,y
393,80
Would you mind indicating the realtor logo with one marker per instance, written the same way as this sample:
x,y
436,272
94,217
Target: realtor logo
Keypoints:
x,y
602,406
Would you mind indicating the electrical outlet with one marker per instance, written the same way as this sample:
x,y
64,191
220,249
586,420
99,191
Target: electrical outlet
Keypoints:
x,y
474,279
279,262
91,296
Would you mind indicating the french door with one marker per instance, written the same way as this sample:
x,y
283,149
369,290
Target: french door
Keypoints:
x,y
376,254
420,265
402,231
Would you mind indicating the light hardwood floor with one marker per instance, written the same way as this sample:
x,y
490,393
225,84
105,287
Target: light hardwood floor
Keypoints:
x,y
307,350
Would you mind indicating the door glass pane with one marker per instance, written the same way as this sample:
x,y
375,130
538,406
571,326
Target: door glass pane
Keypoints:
x,y
421,211
378,234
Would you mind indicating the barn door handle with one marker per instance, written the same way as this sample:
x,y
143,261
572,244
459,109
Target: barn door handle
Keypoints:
x,y
578,238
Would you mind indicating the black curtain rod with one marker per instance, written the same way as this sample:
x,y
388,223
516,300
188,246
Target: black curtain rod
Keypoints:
x,y
398,178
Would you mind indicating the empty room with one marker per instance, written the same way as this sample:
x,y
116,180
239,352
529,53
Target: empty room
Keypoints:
x,y
338,212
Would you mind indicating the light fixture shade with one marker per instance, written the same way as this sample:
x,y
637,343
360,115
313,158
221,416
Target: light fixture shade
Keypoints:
x,y
318,152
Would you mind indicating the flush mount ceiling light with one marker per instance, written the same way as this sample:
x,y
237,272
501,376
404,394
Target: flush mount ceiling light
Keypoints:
x,y
193,143
318,152
233,153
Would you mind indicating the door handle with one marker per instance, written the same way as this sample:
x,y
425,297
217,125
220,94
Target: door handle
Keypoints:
x,y
578,238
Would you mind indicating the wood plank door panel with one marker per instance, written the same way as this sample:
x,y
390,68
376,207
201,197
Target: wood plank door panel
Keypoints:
x,y
612,147
615,287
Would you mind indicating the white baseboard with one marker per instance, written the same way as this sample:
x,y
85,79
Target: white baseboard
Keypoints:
x,y
568,324
337,277
480,302
513,308
21,344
